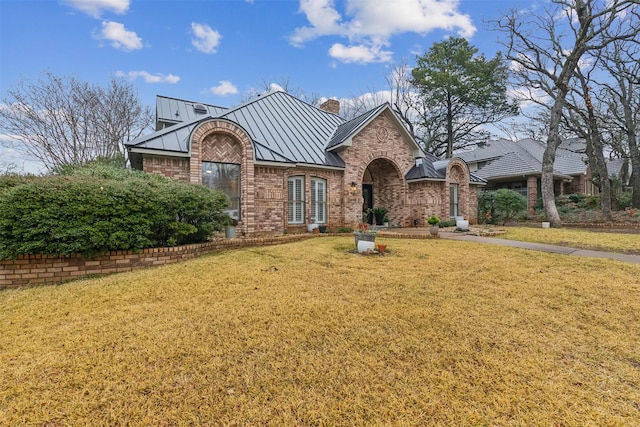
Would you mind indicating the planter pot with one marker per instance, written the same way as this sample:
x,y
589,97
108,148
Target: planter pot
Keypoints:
x,y
462,225
310,227
434,230
386,224
364,246
230,231
382,248
323,228
546,224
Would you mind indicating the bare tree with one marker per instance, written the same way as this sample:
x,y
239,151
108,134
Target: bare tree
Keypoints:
x,y
583,118
282,84
548,47
65,121
620,94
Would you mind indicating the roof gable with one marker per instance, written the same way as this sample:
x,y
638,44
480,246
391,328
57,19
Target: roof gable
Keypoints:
x,y
345,132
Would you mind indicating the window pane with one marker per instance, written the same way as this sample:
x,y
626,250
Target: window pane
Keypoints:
x,y
318,200
295,192
224,177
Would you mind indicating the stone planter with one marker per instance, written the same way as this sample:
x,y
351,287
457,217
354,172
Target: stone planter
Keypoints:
x,y
462,225
365,237
434,230
546,224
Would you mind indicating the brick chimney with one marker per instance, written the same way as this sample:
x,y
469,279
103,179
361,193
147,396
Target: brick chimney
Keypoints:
x,y
331,106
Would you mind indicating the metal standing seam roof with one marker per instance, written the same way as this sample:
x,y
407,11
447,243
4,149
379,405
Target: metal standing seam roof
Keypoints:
x,y
345,130
282,128
179,110
289,127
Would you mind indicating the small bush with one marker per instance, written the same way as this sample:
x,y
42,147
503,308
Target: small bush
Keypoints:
x,y
486,208
344,230
447,223
500,206
623,200
98,210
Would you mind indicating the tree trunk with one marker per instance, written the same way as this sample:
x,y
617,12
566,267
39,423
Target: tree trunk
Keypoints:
x,y
549,158
449,128
595,152
634,180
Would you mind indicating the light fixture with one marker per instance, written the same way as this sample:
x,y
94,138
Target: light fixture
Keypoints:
x,y
354,187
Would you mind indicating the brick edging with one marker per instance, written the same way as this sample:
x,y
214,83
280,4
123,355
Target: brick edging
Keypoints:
x,y
48,269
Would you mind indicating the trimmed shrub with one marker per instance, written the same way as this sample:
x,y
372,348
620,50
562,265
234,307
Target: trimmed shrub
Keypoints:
x,y
500,206
89,212
508,204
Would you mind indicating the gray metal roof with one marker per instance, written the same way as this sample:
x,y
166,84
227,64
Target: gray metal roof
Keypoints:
x,y
174,139
287,127
430,167
282,128
172,110
346,130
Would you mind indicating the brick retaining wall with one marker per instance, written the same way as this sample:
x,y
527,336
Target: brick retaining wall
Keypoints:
x,y
44,269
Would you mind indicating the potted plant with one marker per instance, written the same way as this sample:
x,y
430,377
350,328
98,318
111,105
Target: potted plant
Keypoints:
x,y
433,221
386,221
230,227
379,214
364,238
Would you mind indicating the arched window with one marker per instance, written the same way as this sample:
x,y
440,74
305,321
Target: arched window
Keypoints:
x,y
224,177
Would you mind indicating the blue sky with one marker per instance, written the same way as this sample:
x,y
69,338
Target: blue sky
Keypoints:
x,y
217,51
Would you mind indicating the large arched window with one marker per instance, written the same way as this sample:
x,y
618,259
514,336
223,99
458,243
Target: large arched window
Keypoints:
x,y
224,177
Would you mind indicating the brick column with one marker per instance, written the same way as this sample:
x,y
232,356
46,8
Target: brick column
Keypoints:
x,y
532,191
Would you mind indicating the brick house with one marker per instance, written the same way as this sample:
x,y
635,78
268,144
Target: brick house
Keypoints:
x,y
517,165
286,164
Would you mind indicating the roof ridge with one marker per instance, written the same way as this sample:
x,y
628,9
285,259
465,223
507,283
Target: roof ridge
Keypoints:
x,y
190,100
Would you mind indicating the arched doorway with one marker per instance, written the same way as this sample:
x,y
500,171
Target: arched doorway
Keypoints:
x,y
383,187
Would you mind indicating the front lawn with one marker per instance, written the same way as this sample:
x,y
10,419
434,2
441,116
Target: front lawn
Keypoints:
x,y
438,332
595,239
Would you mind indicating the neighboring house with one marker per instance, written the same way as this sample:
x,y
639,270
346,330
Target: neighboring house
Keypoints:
x,y
285,163
517,165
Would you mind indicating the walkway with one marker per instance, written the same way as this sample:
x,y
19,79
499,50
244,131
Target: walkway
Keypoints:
x,y
634,259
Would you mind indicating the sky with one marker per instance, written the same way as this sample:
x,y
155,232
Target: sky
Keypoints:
x,y
218,51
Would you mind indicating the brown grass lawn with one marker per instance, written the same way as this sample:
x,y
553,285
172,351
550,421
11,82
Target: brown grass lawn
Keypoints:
x,y
583,239
437,333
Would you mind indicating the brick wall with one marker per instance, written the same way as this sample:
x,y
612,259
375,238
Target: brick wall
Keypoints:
x,y
379,155
43,269
171,167
381,148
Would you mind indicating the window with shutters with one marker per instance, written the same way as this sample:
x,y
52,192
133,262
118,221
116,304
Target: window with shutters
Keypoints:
x,y
224,177
296,199
319,200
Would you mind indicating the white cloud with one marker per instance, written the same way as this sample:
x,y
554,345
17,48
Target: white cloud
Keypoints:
x,y
371,23
360,53
95,8
119,36
206,39
225,87
148,77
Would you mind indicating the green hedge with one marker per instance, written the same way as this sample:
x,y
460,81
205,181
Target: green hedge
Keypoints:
x,y
98,209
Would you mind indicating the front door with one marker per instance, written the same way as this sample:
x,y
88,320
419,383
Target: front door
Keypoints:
x,y
367,202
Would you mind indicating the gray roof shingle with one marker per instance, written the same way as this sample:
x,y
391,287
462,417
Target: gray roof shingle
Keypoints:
x,y
502,158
